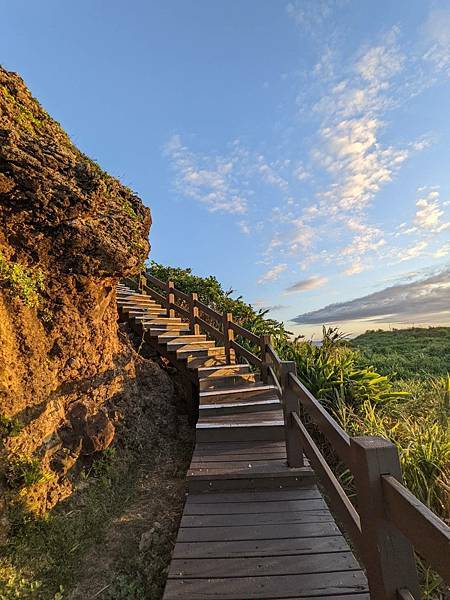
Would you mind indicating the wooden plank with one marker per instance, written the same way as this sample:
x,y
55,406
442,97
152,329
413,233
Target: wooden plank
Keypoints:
x,y
259,417
239,508
364,596
429,535
256,567
280,495
248,548
257,532
311,516
231,469
207,433
238,457
214,483
259,588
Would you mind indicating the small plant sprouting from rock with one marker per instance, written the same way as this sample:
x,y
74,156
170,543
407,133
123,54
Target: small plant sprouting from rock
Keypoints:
x,y
129,210
9,427
24,282
25,471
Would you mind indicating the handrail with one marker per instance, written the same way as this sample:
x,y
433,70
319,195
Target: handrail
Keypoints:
x,y
428,534
239,330
322,419
213,314
252,358
333,488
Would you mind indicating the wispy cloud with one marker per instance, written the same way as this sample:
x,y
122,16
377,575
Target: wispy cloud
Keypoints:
x,y
273,274
306,284
207,180
429,213
425,298
437,34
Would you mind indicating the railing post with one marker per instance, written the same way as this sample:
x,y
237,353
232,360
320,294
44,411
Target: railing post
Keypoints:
x,y
228,335
387,555
170,299
294,450
265,340
195,327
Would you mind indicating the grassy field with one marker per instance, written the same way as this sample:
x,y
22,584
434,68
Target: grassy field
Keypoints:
x,y
416,353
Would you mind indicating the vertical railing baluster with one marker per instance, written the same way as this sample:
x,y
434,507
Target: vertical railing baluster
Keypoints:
x,y
170,299
193,309
265,340
290,401
228,337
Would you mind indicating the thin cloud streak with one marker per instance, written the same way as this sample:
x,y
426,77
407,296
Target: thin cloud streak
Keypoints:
x,y
306,284
427,296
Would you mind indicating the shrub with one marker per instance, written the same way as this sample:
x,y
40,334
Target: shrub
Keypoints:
x,y
24,282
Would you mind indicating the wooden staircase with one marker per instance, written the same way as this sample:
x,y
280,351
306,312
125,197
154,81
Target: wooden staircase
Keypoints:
x,y
238,414
255,526
252,527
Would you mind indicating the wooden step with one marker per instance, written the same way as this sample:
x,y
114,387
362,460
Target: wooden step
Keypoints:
x,y
221,370
139,315
157,329
144,310
194,345
163,321
226,381
200,351
195,363
252,475
228,408
264,425
133,302
242,393
173,337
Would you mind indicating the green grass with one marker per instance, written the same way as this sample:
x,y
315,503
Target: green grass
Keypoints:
x,y
407,353
42,555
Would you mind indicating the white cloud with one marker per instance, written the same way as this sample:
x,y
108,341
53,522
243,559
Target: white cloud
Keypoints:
x,y
304,285
244,227
429,213
273,274
208,180
414,251
301,173
356,267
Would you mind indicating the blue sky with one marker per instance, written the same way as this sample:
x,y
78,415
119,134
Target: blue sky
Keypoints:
x,y
299,150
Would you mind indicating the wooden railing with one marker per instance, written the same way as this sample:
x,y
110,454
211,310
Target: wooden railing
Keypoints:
x,y
201,317
386,523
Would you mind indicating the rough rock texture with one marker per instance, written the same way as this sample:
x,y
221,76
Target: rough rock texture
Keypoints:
x,y
63,366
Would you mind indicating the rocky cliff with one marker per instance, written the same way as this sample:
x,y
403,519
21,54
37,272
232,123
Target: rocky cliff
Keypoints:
x,y
68,232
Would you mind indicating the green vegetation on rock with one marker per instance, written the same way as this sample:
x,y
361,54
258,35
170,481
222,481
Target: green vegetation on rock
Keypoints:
x,y
25,283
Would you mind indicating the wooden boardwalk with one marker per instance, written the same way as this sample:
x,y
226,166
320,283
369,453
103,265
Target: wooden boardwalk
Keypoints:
x,y
252,528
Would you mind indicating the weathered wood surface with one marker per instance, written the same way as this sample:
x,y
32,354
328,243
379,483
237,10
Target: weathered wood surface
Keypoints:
x,y
252,527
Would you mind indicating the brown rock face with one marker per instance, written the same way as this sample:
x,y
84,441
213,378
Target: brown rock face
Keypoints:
x,y
68,231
